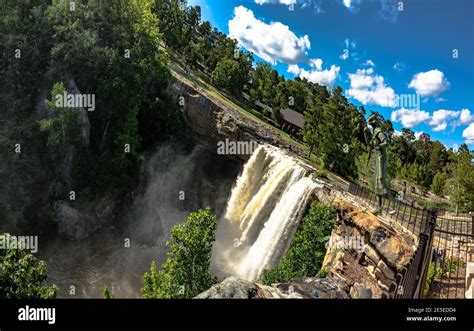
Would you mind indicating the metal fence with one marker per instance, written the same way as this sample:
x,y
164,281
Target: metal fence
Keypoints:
x,y
453,258
410,280
406,217
443,261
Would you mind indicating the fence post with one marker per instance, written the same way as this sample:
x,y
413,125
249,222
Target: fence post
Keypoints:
x,y
427,254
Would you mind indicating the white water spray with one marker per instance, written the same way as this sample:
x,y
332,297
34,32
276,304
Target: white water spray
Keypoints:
x,y
263,212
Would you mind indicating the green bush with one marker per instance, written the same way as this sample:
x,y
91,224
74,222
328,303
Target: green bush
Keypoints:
x,y
323,273
186,271
22,275
432,274
308,248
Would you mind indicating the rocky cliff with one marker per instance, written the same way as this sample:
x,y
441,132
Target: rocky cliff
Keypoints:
x,y
362,258
210,120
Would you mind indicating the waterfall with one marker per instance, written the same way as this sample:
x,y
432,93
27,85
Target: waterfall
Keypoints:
x,y
263,212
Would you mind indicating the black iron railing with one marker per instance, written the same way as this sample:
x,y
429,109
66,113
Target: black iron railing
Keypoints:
x,y
410,280
406,216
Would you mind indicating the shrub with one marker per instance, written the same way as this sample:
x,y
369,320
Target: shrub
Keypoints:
x,y
308,248
22,275
186,271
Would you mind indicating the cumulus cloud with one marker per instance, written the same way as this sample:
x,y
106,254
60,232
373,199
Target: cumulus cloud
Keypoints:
x,y
430,83
409,118
370,89
465,117
468,133
418,134
440,118
317,74
273,42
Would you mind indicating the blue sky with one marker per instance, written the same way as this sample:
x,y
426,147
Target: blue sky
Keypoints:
x,y
376,50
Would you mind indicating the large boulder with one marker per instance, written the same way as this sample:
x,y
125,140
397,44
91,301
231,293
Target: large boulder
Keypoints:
x,y
79,223
303,287
72,223
391,245
231,288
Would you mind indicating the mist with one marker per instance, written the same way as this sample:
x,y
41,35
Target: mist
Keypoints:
x,y
173,183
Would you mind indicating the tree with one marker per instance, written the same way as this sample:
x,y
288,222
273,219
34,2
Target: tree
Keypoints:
x,y
460,185
62,126
186,271
264,83
330,128
227,75
306,253
439,181
22,276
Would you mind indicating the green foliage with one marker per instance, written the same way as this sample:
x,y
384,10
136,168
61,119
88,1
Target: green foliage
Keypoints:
x,y
308,248
107,293
432,274
330,129
323,273
186,271
438,183
110,50
62,127
227,75
452,265
22,276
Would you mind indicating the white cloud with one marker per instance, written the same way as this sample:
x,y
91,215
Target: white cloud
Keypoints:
x,y
294,69
317,75
440,118
370,89
397,133
316,63
429,83
409,117
347,3
468,133
418,134
369,63
465,117
273,42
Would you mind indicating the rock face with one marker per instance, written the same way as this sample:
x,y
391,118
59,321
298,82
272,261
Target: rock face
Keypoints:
x,y
231,288
315,288
305,287
210,120
364,251
72,224
78,224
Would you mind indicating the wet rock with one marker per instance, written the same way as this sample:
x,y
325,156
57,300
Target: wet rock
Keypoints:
x,y
303,287
77,224
231,288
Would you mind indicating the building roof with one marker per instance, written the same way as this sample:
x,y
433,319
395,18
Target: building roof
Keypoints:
x,y
292,117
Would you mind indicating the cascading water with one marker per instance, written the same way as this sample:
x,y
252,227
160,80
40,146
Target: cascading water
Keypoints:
x,y
263,212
